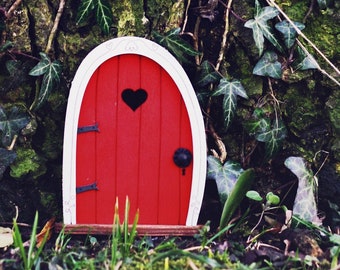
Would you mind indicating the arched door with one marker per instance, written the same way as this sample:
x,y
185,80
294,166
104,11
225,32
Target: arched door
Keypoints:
x,y
132,121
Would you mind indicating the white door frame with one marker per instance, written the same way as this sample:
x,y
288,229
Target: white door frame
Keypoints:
x,y
147,48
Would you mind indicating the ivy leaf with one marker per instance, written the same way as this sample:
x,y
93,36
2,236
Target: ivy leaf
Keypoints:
x,y
257,34
268,66
51,77
271,134
6,158
225,175
42,66
207,74
18,71
288,31
12,123
272,138
305,61
260,27
84,10
305,204
255,126
175,44
102,10
323,4
230,90
6,46
104,15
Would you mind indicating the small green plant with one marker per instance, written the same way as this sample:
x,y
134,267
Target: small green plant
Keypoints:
x,y
61,241
269,203
123,237
237,194
31,256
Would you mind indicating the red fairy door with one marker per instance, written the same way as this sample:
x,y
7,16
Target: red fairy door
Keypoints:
x,y
135,139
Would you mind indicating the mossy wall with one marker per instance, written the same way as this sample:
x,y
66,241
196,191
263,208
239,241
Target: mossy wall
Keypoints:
x,y
309,101
37,168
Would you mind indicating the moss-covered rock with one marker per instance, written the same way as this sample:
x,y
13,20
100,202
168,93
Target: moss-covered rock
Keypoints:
x,y
27,162
158,13
41,22
333,109
18,29
74,47
129,17
301,109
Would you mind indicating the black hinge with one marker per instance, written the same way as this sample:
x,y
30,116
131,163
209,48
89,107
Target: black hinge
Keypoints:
x,y
88,128
87,188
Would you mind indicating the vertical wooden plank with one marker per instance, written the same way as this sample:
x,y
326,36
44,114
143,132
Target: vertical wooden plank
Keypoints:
x,y
150,142
86,201
106,163
169,198
128,133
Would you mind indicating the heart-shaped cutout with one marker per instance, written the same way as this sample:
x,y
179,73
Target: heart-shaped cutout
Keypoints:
x,y
134,99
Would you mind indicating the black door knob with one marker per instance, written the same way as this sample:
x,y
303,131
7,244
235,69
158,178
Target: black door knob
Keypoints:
x,y
182,158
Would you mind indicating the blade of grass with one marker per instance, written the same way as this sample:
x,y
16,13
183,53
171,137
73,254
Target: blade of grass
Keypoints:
x,y
30,256
126,227
18,243
240,189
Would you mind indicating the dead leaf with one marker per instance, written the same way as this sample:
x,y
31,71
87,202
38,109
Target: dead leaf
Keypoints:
x,y
46,230
6,237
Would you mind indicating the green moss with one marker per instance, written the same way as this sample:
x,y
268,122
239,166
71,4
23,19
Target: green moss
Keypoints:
x,y
241,69
333,108
129,17
176,15
158,13
295,9
43,21
324,32
300,110
52,142
18,29
74,47
27,162
48,201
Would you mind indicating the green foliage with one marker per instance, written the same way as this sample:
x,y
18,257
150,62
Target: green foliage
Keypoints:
x,y
207,75
305,202
225,175
260,26
11,123
254,195
239,191
51,71
323,4
122,236
268,65
305,61
288,31
29,257
230,90
102,11
6,159
27,162
175,253
270,132
175,44
271,198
